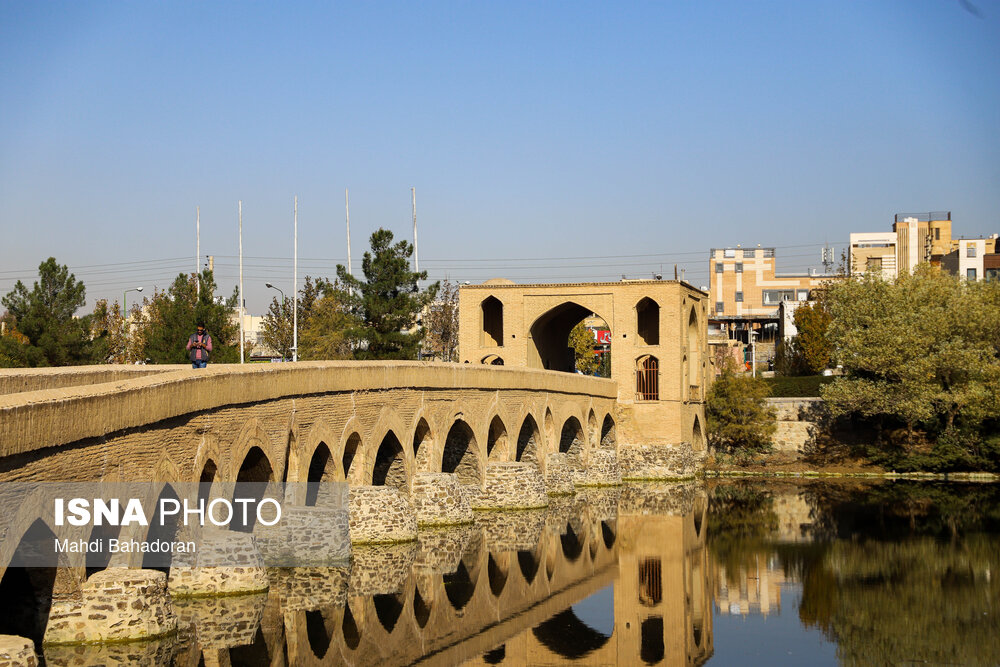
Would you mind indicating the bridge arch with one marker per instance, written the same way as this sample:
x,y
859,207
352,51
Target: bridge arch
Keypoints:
x,y
549,333
609,438
423,445
529,443
387,458
572,440
497,442
461,454
352,457
253,435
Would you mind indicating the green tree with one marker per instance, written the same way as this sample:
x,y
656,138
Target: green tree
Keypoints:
x,y
388,302
441,323
738,418
277,328
581,339
110,343
812,346
922,351
45,317
173,315
325,333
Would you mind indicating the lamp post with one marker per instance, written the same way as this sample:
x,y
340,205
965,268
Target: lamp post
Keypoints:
x,y
125,321
270,286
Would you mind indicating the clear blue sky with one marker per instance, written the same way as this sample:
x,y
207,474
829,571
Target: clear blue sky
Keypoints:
x,y
531,131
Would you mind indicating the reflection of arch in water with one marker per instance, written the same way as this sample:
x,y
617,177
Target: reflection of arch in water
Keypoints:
x,y
566,635
572,545
388,607
651,647
349,628
320,627
497,573
607,534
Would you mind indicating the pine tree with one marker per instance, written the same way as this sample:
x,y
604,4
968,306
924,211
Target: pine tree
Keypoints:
x,y
388,302
45,316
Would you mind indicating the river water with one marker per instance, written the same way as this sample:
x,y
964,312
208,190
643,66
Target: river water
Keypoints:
x,y
723,572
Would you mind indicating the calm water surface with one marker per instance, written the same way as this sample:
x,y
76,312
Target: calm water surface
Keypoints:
x,y
749,573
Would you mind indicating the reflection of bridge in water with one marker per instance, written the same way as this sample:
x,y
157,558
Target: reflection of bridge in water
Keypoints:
x,y
501,591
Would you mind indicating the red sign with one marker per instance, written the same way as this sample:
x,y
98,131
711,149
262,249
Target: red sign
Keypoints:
x,y
603,337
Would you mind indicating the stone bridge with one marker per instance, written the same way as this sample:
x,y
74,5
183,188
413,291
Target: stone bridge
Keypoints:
x,y
419,444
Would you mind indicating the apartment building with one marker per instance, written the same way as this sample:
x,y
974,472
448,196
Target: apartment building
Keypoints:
x,y
916,238
746,289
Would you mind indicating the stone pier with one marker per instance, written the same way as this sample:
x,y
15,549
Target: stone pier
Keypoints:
x,y
512,485
439,499
115,605
380,514
17,652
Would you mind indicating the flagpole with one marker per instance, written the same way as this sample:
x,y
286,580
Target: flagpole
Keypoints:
x,y
241,281
295,284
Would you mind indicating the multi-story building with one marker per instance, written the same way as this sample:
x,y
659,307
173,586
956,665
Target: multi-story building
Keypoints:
x,y
746,290
968,257
917,238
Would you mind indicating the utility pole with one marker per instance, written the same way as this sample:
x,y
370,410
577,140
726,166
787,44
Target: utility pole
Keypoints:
x,y
240,309
197,250
295,283
347,209
416,261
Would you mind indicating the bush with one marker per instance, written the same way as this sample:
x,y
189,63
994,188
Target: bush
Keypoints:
x,y
738,418
796,387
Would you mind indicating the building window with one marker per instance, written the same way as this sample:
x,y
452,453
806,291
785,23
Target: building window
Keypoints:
x,y
718,306
492,335
749,253
718,267
647,315
937,233
768,252
970,251
729,252
739,267
739,297
970,274
873,264
803,295
647,379
772,297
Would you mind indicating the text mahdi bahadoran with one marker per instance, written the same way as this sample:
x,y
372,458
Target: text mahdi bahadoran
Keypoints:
x,y
123,546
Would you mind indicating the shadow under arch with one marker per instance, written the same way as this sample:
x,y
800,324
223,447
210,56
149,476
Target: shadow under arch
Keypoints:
x,y
254,475
460,454
163,528
609,439
423,444
566,635
389,466
497,448
549,335
26,592
528,441
322,469
571,439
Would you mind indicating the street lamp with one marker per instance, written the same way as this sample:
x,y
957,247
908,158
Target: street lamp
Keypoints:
x,y
270,286
125,321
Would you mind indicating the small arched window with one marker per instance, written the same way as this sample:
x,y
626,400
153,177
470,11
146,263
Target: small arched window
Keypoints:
x,y
647,321
492,322
647,379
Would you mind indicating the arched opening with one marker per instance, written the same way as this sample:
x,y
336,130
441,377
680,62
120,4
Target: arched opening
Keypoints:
x,y
607,534
495,656
26,592
459,587
566,635
492,360
98,559
528,565
388,607
163,530
550,429
459,456
593,435
608,438
319,630
497,576
647,379
349,627
647,321
254,475
351,448
527,441
650,582
492,311
321,470
208,474
651,648
571,439
697,438
693,353
422,444
390,466
572,547
251,654
421,610
550,337
497,448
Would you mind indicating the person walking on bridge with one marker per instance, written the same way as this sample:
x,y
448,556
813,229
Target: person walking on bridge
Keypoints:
x,y
199,347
